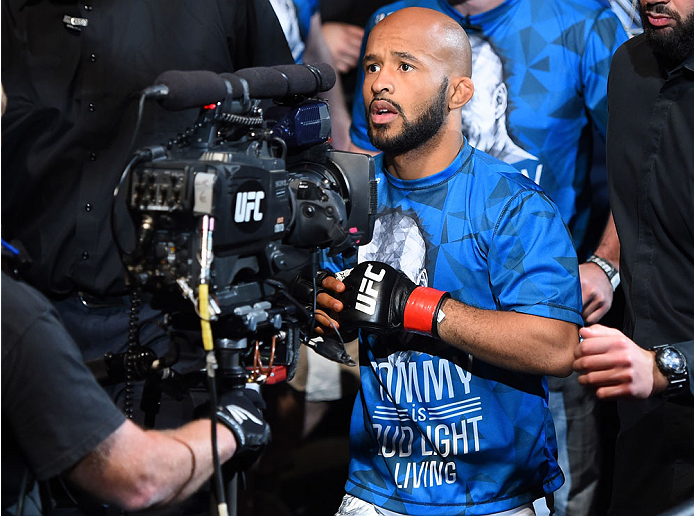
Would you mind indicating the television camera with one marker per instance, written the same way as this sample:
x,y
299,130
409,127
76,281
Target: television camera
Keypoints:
x,y
243,197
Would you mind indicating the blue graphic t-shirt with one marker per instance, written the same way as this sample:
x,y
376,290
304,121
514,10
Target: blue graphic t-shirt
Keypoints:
x,y
434,430
540,74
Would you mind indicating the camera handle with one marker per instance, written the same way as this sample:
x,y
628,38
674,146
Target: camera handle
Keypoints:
x,y
224,372
231,375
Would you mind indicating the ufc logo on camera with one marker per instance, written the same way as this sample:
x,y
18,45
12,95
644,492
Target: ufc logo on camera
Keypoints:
x,y
248,206
367,296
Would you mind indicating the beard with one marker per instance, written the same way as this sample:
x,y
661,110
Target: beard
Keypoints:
x,y
675,45
415,133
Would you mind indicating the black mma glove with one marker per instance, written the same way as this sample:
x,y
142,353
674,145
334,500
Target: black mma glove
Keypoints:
x,y
240,412
382,299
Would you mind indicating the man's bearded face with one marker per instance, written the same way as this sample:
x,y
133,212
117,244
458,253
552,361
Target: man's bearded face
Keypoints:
x,y
414,133
670,32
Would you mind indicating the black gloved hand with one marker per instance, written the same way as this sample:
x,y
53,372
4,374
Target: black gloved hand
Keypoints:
x,y
382,299
302,288
240,411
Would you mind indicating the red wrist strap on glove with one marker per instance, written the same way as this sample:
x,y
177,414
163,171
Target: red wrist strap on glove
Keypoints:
x,y
421,309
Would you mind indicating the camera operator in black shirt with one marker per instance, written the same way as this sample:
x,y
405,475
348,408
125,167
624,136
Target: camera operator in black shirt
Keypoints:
x,y
73,72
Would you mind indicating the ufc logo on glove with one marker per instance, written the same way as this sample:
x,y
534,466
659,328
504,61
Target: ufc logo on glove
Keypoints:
x,y
366,299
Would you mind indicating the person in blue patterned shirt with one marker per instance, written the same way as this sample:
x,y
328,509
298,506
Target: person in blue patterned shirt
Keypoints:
x,y
540,67
466,297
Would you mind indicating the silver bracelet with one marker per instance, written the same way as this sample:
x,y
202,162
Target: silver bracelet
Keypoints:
x,y
609,269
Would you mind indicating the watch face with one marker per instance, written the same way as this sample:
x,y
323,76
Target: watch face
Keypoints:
x,y
671,360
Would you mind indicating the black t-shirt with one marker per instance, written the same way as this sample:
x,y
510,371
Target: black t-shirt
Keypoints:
x,y
53,411
72,104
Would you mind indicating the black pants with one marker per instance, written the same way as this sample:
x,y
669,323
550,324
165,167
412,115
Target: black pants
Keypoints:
x,y
654,459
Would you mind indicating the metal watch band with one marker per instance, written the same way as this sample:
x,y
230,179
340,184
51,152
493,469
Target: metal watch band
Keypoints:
x,y
609,269
678,378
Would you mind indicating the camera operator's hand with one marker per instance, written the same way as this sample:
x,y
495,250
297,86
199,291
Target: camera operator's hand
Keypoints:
x,y
328,300
327,285
240,411
382,299
303,287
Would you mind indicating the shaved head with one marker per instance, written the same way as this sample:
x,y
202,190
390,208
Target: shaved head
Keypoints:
x,y
434,32
417,68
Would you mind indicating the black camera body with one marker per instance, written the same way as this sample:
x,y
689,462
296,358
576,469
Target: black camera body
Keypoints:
x,y
240,202
260,204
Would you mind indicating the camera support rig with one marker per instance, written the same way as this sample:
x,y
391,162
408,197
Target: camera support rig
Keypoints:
x,y
221,211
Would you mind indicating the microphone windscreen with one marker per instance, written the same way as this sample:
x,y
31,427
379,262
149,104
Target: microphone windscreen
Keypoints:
x,y
189,89
264,82
308,79
285,80
236,84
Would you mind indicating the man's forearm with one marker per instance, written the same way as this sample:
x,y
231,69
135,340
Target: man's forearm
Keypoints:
x,y
608,248
197,435
600,275
511,340
135,469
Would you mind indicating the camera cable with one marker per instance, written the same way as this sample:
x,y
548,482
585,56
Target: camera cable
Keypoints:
x,y
136,158
206,257
133,330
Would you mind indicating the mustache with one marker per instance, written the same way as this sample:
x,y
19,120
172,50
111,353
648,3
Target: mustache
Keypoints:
x,y
659,9
391,102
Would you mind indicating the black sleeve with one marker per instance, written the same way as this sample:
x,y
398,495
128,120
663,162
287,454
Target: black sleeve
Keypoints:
x,y
258,39
687,349
53,407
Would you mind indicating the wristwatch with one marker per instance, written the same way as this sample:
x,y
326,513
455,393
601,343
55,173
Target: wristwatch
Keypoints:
x,y
672,363
608,268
